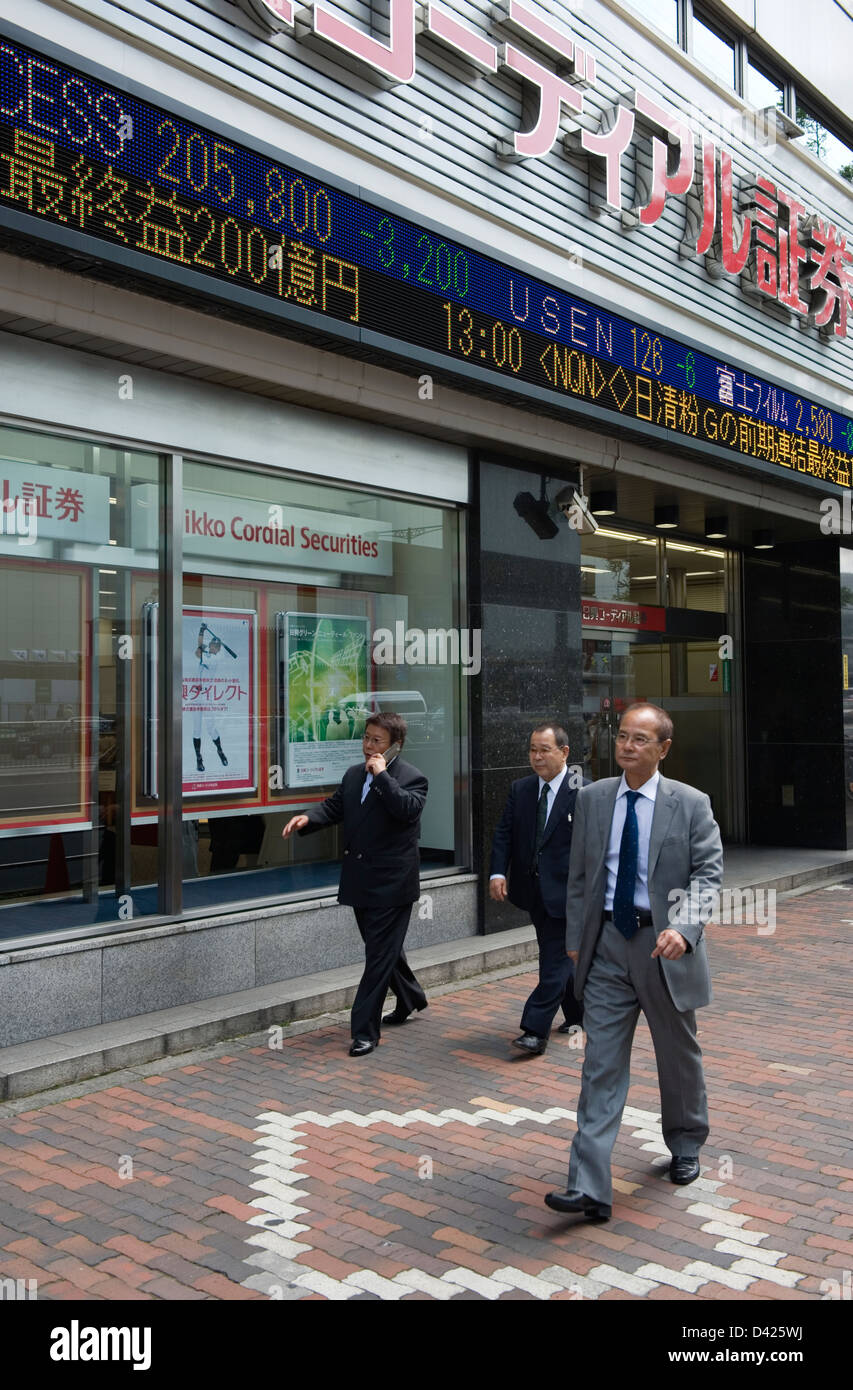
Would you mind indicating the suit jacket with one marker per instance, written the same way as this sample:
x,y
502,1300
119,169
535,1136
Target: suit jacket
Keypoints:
x,y
512,846
381,863
685,853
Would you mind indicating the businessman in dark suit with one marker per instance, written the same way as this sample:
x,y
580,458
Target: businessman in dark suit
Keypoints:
x,y
379,802
530,866
645,872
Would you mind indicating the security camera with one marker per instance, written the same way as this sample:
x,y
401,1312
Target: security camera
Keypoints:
x,y
575,508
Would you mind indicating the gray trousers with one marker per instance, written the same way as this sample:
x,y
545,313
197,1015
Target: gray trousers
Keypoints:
x,y
622,980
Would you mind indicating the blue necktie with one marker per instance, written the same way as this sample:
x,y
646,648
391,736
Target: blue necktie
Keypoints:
x,y
624,915
368,783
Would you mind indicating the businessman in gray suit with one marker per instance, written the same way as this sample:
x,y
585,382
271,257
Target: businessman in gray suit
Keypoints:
x,y
645,870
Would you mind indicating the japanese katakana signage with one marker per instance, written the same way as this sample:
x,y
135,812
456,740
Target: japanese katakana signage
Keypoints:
x,y
218,701
782,250
88,167
52,504
640,617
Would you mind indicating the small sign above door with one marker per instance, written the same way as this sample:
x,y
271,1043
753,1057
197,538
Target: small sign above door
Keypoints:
x,y
636,616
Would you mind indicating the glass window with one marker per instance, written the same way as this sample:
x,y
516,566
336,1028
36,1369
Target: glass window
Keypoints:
x,y
695,577
663,14
618,564
762,90
713,50
78,827
824,144
308,607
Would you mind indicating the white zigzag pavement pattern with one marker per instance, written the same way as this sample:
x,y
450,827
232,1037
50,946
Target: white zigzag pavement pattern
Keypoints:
x,y
280,1237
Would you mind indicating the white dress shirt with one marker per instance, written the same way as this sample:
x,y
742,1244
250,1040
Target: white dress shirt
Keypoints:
x,y
555,785
645,809
368,781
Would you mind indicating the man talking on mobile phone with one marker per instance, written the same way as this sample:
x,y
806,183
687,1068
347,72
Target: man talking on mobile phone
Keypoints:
x,y
379,803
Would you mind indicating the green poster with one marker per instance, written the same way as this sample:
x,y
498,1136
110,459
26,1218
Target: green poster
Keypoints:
x,y
325,673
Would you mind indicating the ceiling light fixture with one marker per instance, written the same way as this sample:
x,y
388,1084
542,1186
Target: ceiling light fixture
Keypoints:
x,y
603,503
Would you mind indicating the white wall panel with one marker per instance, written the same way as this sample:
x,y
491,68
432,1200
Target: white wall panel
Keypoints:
x,y
78,391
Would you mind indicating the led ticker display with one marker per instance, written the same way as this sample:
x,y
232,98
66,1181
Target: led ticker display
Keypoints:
x,y
152,188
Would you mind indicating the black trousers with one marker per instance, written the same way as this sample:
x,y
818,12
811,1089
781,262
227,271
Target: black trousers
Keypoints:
x,y
556,976
383,931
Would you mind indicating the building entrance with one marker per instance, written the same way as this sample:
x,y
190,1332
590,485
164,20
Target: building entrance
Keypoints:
x,y
689,680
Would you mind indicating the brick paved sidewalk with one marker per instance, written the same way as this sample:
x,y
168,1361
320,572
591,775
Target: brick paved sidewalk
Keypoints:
x,y
418,1172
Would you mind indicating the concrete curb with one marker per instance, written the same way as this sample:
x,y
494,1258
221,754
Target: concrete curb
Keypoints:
x,y
67,1058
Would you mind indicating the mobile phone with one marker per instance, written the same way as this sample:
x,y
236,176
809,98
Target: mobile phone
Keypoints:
x,y
388,754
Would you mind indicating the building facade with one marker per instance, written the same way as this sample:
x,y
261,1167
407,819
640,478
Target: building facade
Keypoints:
x,y
315,323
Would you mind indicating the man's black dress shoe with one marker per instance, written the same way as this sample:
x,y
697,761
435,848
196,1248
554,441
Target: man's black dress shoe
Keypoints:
x,y
395,1018
567,1027
569,1202
529,1042
361,1047
684,1170
398,1016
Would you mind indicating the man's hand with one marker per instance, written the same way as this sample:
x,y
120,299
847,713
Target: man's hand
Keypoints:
x,y
573,955
375,764
670,944
497,889
295,823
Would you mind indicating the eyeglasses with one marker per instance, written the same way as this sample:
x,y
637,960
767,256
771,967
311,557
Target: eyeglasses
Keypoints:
x,y
639,740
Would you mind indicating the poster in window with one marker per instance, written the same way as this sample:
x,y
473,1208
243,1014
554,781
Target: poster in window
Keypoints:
x,y
218,701
49,723
218,696
323,694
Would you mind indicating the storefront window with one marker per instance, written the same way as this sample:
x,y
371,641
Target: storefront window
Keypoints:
x,y
307,607
695,577
79,570
631,584
618,564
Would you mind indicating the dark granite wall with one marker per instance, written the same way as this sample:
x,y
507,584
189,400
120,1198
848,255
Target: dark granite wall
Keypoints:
x,y
525,595
793,697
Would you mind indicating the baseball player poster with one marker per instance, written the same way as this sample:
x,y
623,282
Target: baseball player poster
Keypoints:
x,y
219,700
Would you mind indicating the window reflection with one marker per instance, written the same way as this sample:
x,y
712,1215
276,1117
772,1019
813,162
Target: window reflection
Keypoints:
x,y
761,89
714,51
